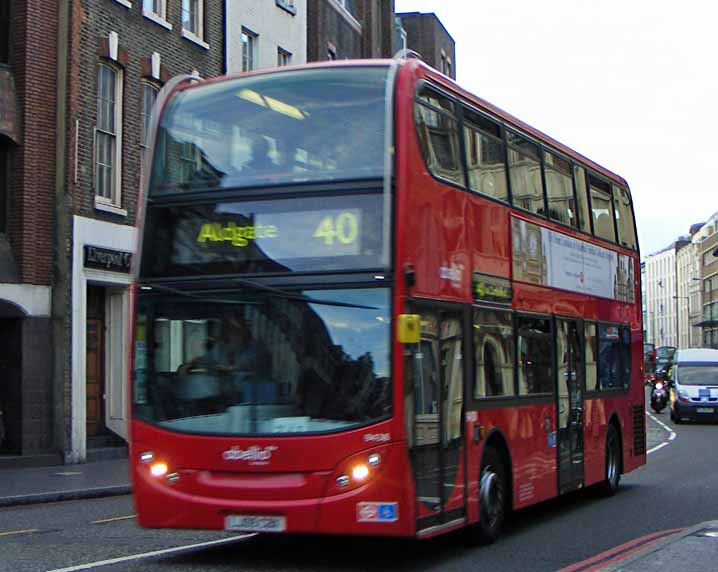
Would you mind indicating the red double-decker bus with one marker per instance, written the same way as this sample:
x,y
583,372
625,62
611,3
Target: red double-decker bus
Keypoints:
x,y
368,302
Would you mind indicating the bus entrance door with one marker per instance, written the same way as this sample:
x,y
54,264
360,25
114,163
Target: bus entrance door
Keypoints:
x,y
434,390
569,437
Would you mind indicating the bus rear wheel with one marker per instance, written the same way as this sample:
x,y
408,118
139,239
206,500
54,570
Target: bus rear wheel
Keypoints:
x,y
493,492
613,461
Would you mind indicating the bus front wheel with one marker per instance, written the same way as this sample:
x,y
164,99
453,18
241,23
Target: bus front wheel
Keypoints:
x,y
493,493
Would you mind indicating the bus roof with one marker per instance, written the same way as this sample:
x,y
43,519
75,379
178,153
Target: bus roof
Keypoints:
x,y
513,121
413,64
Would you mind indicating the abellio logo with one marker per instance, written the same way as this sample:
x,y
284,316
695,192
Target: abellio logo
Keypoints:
x,y
254,455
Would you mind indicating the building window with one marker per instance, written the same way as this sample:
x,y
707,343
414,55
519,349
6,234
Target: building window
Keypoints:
x,y
192,17
249,49
156,7
4,185
4,31
149,95
349,6
108,133
284,58
287,5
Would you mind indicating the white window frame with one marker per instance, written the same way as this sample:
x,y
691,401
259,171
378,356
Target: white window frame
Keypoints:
x,y
252,42
159,17
198,18
284,57
115,198
144,115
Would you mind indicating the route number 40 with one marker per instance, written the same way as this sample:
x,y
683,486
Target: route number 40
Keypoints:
x,y
344,228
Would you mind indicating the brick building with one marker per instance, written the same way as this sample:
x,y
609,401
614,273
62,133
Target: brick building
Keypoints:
x,y
347,29
426,35
27,186
72,134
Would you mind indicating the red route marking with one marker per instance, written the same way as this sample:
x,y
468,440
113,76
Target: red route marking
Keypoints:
x,y
635,545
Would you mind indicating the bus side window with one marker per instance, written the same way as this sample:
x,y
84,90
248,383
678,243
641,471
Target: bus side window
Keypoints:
x,y
525,174
438,133
485,156
535,350
559,190
590,356
579,180
602,209
494,353
624,217
614,357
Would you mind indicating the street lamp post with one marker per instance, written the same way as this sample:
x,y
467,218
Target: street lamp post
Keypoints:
x,y
678,322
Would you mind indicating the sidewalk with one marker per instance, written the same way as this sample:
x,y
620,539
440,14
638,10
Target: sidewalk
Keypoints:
x,y
694,549
65,482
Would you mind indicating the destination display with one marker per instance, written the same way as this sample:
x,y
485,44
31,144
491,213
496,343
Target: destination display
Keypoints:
x,y
298,234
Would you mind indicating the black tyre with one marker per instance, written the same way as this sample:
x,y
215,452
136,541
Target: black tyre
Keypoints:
x,y
613,461
493,497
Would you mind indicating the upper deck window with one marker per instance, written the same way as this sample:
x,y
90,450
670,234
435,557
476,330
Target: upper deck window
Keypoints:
x,y
525,174
485,156
438,133
289,127
559,190
602,209
624,217
579,179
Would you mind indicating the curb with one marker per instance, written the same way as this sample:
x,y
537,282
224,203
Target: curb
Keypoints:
x,y
623,564
57,496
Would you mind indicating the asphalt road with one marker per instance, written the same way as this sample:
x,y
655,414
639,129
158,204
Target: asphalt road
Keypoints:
x,y
676,489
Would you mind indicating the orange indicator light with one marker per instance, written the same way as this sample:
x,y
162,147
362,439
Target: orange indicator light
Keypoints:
x,y
159,469
360,472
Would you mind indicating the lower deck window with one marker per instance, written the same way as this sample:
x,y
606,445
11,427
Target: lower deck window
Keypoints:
x,y
535,355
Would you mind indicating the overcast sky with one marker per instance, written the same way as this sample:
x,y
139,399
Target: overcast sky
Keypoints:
x,y
632,84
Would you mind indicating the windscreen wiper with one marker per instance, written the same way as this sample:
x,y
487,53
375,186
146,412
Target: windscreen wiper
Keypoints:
x,y
195,296
299,297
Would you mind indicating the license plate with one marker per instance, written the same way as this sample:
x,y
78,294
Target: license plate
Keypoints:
x,y
255,523
704,410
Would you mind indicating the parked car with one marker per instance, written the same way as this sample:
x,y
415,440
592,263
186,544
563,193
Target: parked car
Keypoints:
x,y
693,379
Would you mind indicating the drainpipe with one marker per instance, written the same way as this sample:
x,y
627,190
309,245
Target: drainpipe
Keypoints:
x,y
60,279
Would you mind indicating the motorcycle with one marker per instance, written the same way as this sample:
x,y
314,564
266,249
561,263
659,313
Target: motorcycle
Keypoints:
x,y
659,396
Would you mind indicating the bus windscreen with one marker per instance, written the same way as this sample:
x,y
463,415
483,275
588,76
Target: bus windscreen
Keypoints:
x,y
282,128
250,363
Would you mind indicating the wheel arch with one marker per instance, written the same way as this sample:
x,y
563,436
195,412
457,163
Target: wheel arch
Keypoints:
x,y
614,420
495,439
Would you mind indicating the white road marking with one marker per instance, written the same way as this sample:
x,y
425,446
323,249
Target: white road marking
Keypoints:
x,y
150,554
106,520
671,434
26,531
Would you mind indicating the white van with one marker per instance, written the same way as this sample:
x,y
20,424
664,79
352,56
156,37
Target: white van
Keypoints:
x,y
694,390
